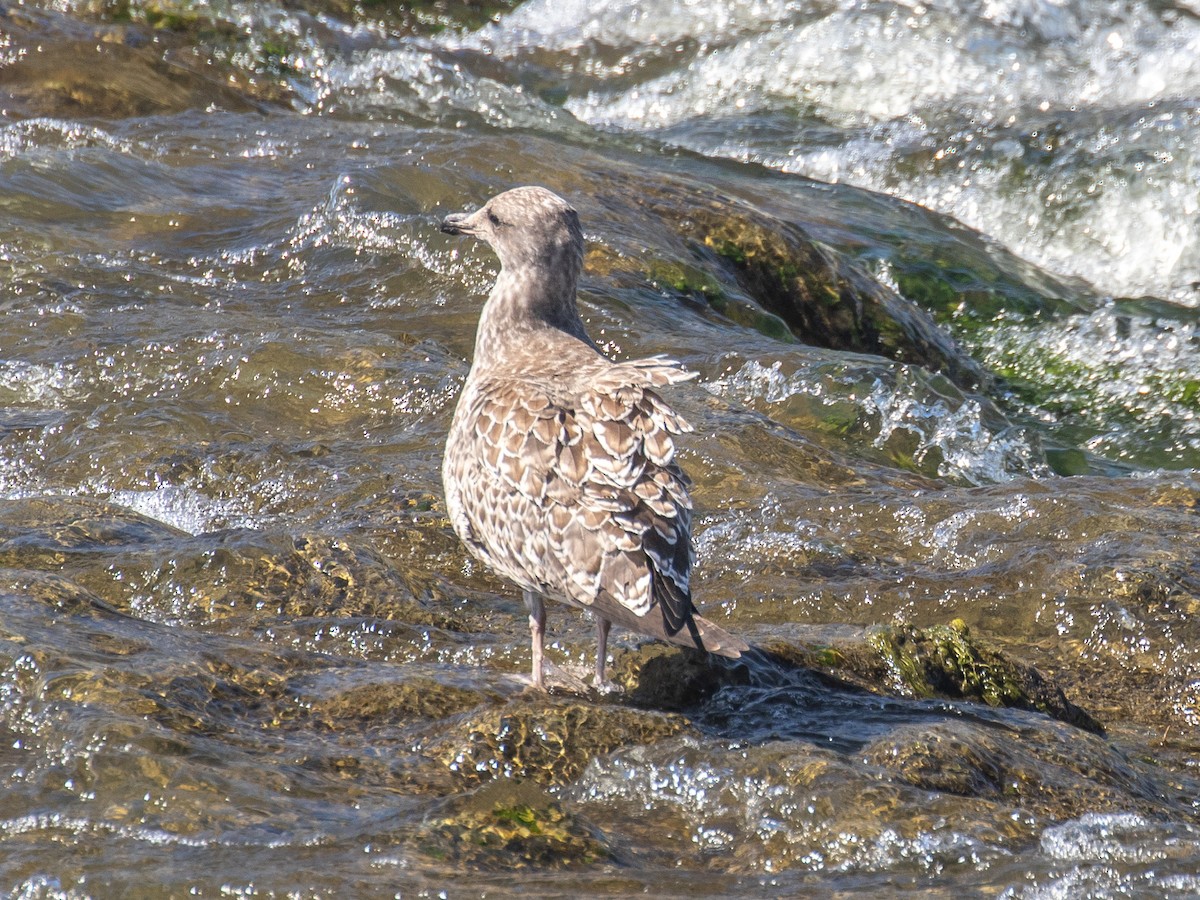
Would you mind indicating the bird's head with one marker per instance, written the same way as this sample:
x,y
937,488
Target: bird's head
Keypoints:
x,y
527,226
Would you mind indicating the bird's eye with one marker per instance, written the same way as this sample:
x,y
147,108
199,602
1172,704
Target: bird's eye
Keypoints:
x,y
493,218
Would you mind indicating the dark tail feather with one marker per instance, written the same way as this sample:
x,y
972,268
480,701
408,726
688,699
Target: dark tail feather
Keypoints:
x,y
678,611
675,603
668,625
694,630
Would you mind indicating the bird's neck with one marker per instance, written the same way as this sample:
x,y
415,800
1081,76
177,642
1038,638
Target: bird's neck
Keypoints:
x,y
522,308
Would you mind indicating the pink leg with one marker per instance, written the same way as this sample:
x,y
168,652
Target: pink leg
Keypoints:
x,y
602,629
537,634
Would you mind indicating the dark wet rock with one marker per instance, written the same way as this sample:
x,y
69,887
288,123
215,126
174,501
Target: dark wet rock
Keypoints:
x,y
108,80
545,739
510,824
422,17
150,57
938,661
657,676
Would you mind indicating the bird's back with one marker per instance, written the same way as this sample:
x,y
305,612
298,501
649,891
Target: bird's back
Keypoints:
x,y
561,476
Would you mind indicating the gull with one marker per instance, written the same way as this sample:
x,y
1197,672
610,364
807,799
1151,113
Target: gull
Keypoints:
x,y
559,470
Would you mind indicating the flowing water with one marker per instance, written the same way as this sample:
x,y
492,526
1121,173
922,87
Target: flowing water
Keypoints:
x,y
241,652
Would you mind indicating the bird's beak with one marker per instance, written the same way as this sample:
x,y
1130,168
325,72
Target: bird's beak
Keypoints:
x,y
459,223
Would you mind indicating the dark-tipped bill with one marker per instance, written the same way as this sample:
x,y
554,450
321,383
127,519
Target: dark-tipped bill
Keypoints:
x,y
456,224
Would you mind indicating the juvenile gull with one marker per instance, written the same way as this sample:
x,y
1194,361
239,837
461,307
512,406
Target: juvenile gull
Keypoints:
x,y
559,469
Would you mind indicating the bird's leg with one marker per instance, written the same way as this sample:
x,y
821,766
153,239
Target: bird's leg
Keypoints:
x,y
537,634
602,628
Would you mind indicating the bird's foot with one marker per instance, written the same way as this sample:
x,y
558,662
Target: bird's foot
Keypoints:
x,y
605,688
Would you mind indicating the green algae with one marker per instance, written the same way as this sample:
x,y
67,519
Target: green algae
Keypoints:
x,y
945,660
968,299
697,284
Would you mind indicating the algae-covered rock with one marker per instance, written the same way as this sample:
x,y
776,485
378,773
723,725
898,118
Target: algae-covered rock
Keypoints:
x,y
695,283
510,824
944,660
547,740
824,299
939,661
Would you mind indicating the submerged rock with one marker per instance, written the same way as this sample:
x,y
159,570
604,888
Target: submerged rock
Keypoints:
x,y
545,739
780,806
1049,772
510,824
397,702
47,530
121,68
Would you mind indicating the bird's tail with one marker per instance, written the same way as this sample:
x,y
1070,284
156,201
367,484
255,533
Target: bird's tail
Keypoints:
x,y
694,631
707,636
682,626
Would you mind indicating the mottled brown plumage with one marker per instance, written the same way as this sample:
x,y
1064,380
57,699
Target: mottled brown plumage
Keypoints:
x,y
560,469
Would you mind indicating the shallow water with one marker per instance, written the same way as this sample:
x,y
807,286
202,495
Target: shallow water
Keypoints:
x,y
242,652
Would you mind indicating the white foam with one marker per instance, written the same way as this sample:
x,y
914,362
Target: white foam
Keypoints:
x,y
1113,370
1115,854
1052,126
897,404
581,24
37,384
186,509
